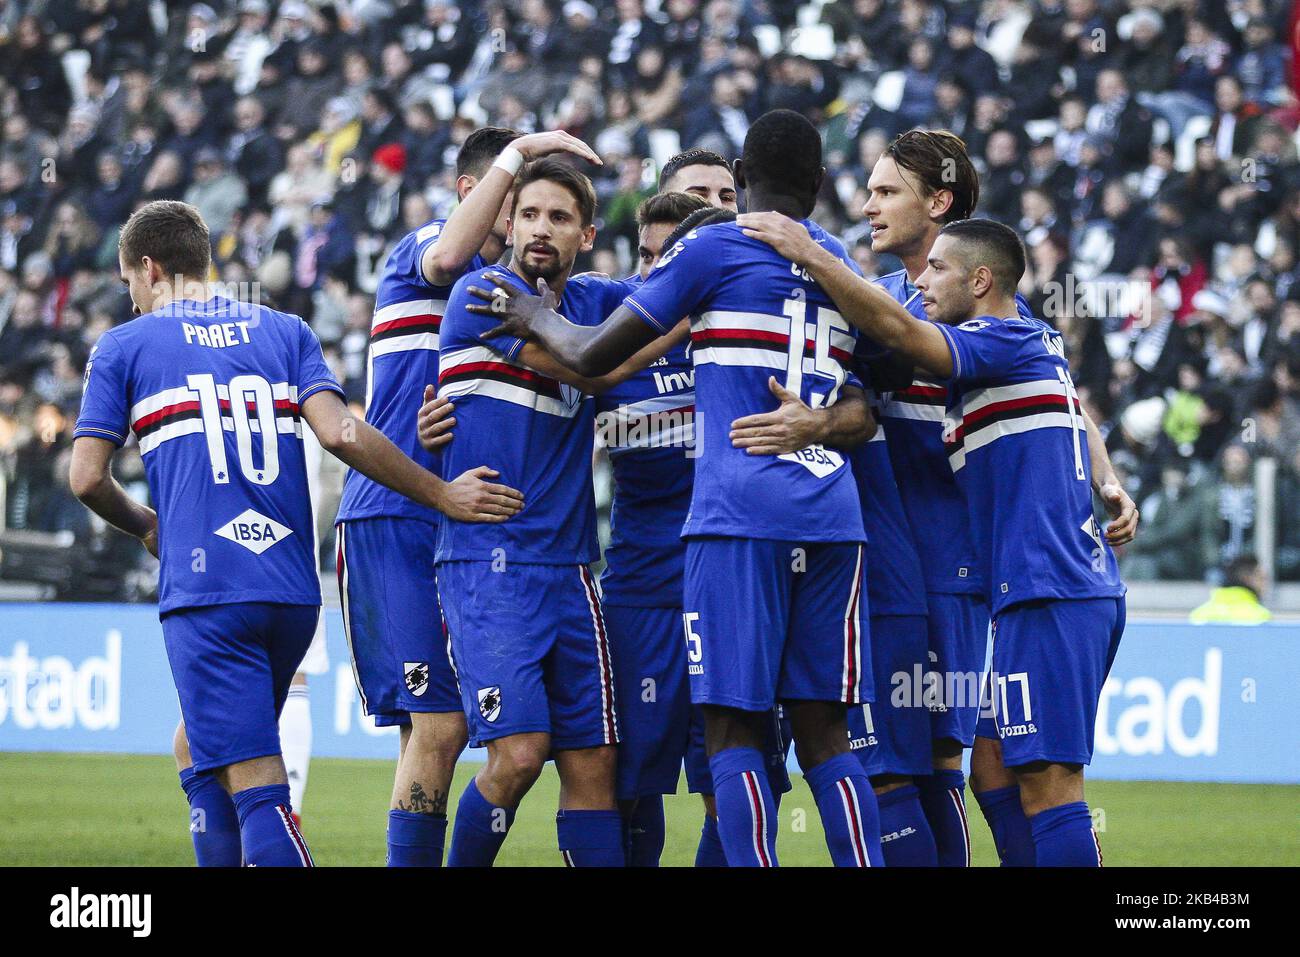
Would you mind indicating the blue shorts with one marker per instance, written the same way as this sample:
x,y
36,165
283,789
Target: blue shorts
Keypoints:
x,y
892,736
654,701
529,646
959,639
232,665
699,778
391,617
1050,659
769,621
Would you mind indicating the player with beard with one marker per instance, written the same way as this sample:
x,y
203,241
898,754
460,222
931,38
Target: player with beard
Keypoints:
x,y
924,180
394,631
648,425
528,639
1015,435
774,560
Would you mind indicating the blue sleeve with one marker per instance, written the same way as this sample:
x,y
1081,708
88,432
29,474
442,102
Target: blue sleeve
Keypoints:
x,y
982,348
105,402
407,265
681,282
461,328
313,374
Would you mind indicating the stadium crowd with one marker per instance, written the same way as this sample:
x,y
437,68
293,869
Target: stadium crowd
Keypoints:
x,y
1145,151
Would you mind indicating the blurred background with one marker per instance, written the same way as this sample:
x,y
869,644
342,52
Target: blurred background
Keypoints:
x,y
1145,150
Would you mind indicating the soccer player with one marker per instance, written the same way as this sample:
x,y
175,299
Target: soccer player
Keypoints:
x,y
1017,442
774,558
924,180
214,392
647,424
390,610
701,173
528,640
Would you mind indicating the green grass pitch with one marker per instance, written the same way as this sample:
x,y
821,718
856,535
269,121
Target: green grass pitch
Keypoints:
x,y
100,809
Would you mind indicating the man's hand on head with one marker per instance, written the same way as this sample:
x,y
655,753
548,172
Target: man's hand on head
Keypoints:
x,y
536,145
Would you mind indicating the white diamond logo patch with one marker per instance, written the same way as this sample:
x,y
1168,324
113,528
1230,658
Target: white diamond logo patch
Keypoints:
x,y
254,531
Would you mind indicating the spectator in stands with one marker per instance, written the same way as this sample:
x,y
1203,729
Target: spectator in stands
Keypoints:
x,y
1237,601
217,192
1171,517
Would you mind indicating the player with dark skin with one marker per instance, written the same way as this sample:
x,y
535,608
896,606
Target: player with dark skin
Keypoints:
x,y
818,727
958,284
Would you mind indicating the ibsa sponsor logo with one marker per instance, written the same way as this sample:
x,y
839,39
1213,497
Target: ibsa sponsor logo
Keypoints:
x,y
54,692
1140,715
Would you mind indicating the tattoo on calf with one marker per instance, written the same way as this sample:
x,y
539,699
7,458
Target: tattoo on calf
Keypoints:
x,y
422,803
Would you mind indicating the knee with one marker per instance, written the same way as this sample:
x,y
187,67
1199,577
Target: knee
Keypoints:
x,y
726,728
439,741
514,766
181,748
987,772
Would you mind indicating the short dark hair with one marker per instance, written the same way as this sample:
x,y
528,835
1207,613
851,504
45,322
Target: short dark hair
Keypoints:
x,y
991,244
172,234
939,160
481,148
691,157
783,151
670,207
562,174
707,216
1238,572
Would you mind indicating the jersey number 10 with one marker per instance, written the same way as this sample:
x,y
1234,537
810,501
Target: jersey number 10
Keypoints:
x,y
242,388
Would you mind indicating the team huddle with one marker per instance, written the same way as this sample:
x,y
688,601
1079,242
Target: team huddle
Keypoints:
x,y
825,491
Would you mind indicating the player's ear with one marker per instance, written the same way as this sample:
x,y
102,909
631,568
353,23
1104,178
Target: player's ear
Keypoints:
x,y
510,231
940,202
464,184
588,238
981,281
817,185
738,173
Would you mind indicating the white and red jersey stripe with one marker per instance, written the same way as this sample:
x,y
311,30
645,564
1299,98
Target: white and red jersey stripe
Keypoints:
x,y
171,413
921,401
986,415
402,326
851,680
760,340
661,421
479,370
604,664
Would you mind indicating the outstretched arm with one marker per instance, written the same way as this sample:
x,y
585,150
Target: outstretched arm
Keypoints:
x,y
875,312
363,447
589,351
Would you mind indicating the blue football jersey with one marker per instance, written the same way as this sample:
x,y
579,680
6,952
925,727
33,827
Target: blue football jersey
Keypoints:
x,y
535,431
212,390
912,420
648,424
1018,445
895,583
754,315
402,360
